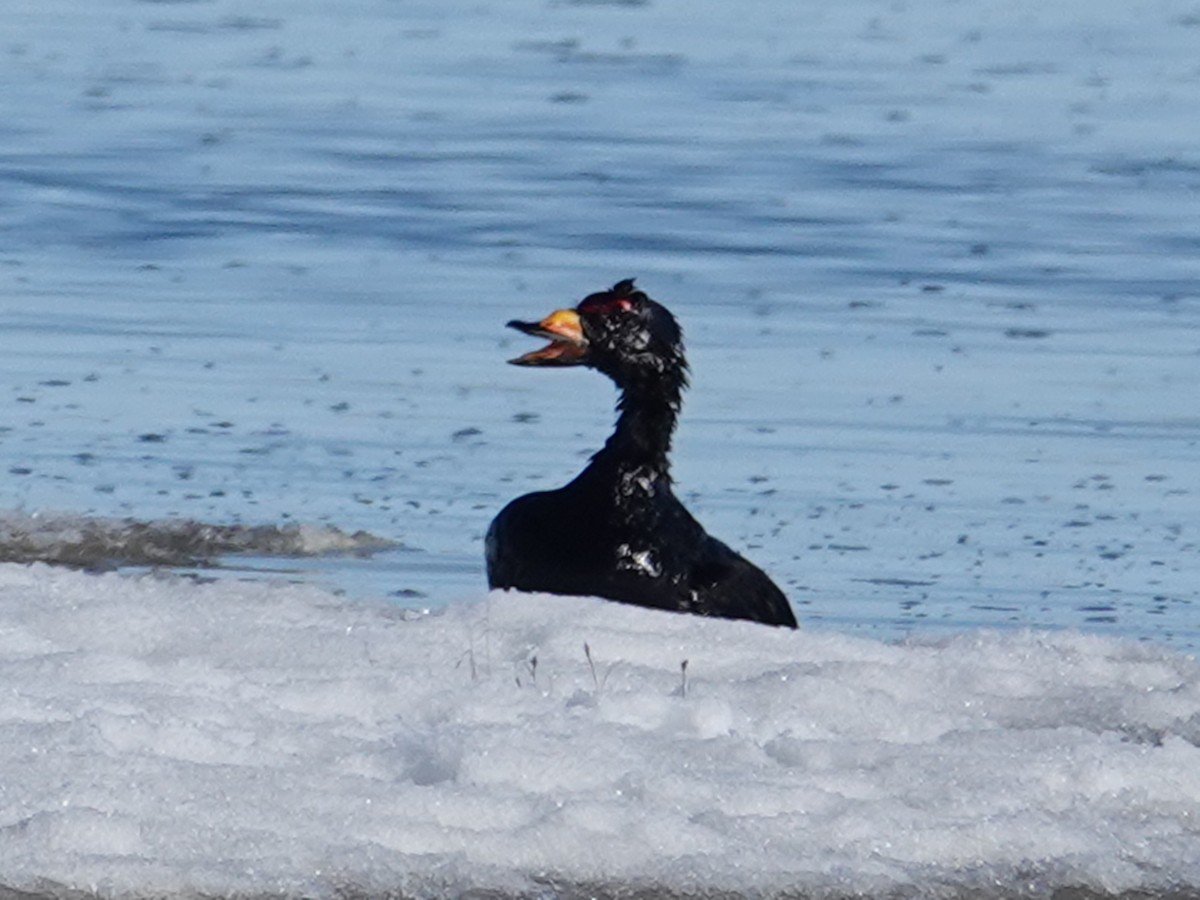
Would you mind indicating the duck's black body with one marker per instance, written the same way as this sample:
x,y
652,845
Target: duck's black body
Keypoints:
x,y
617,530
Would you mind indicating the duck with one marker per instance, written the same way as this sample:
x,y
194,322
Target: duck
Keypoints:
x,y
617,530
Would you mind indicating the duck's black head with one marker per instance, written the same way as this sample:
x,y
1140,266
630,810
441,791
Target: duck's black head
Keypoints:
x,y
620,332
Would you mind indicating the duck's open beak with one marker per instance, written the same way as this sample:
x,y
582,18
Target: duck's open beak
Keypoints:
x,y
567,347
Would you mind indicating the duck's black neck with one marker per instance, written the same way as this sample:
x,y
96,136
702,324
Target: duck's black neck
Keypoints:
x,y
645,424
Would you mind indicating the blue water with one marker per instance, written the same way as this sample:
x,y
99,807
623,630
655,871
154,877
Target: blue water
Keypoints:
x,y
937,268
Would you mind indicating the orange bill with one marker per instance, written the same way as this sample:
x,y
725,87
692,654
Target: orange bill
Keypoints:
x,y
567,347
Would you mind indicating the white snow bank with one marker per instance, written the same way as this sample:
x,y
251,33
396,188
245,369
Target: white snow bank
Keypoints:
x,y
159,737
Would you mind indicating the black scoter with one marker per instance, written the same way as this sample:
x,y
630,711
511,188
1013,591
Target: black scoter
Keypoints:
x,y
617,530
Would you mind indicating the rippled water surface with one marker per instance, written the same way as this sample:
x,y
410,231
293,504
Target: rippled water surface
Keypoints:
x,y
937,265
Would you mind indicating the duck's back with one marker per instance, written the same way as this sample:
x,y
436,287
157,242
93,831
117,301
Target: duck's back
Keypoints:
x,y
570,542
730,586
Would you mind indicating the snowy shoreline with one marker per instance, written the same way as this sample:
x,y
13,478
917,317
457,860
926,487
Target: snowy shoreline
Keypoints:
x,y
167,738
554,890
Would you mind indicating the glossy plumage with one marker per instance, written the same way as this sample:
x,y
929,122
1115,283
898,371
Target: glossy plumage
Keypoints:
x,y
617,530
